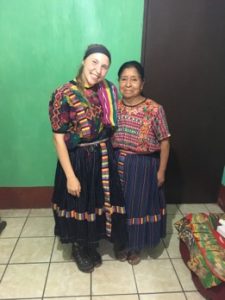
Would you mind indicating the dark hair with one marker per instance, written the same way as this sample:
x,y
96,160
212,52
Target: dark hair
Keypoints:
x,y
132,64
97,48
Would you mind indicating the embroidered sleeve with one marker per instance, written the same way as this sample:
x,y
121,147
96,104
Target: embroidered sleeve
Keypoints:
x,y
160,125
59,112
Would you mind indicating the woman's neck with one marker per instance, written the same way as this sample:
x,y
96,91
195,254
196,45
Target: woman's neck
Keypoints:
x,y
133,101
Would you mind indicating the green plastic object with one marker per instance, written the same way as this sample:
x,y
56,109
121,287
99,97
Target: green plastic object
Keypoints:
x,y
223,177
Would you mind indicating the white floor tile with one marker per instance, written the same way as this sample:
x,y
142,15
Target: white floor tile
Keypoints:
x,y
32,250
41,212
66,298
23,281
155,276
2,269
4,213
172,209
214,208
171,219
194,296
172,245
184,275
32,299
6,248
163,296
38,226
192,208
113,277
65,279
13,228
61,252
119,297
158,252
106,250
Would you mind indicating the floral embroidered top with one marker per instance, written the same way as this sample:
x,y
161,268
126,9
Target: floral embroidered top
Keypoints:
x,y
140,127
83,117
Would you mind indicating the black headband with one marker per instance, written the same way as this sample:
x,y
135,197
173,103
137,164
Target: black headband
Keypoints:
x,y
97,49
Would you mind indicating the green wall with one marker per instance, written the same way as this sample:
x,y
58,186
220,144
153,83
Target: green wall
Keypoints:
x,y
41,47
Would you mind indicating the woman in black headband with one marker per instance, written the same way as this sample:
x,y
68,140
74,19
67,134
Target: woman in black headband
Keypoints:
x,y
87,200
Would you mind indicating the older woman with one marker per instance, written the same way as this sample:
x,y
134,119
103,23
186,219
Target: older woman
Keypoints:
x,y
142,147
87,201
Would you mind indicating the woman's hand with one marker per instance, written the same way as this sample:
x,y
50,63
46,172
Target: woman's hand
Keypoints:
x,y
160,178
73,186
164,154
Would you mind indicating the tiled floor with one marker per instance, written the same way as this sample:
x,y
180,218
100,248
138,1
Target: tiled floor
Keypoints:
x,y
35,265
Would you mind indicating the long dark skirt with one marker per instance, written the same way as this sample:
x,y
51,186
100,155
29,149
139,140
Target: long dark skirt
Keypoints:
x,y
99,211
144,201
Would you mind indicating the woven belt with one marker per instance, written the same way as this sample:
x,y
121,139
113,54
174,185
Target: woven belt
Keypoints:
x,y
92,143
126,152
105,180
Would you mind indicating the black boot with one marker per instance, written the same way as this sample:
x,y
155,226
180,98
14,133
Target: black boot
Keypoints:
x,y
2,225
94,256
83,261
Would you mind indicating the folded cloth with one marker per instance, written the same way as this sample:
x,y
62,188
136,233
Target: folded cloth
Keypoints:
x,y
206,247
221,230
222,222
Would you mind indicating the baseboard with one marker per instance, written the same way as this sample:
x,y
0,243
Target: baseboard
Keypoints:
x,y
40,197
25,197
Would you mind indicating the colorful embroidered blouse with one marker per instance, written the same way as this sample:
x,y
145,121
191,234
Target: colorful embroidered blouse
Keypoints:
x,y
141,127
85,117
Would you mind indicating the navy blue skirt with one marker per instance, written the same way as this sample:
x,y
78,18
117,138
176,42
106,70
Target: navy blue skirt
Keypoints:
x,y
144,200
99,212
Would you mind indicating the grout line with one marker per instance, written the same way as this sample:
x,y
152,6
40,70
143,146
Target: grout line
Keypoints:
x,y
135,281
8,263
185,296
113,295
176,274
91,292
165,293
91,275
49,264
170,259
28,298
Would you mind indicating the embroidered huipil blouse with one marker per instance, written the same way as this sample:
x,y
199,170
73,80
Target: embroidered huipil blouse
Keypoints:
x,y
82,117
140,127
